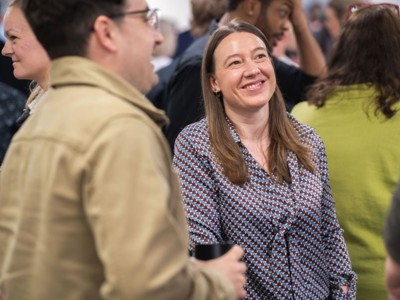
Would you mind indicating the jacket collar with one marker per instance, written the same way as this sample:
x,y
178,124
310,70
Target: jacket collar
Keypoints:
x,y
74,70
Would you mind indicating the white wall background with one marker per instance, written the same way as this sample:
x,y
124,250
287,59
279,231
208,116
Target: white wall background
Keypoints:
x,y
177,10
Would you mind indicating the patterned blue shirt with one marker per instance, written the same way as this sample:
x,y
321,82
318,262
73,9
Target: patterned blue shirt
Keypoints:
x,y
294,246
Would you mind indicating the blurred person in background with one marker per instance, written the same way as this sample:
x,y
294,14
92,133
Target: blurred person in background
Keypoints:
x,y
29,62
335,14
286,48
355,107
163,53
203,13
6,74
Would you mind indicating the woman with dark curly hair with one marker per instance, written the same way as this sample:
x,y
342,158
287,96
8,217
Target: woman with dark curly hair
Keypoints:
x,y
355,108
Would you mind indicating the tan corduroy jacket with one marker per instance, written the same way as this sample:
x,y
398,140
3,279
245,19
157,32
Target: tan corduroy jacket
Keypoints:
x,y
90,206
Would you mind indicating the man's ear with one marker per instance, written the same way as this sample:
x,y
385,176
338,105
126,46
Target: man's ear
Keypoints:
x,y
252,10
105,32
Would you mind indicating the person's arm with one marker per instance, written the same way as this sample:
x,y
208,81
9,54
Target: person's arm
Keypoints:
x,y
342,278
133,207
200,197
311,58
198,191
392,277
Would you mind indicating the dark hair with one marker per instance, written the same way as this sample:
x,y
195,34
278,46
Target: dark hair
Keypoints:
x,y
233,4
63,27
204,12
282,134
339,7
367,52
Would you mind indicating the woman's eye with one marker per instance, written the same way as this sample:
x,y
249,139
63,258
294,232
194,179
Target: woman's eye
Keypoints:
x,y
235,62
261,56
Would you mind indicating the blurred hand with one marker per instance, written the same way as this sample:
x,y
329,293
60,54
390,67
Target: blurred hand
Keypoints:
x,y
298,16
230,265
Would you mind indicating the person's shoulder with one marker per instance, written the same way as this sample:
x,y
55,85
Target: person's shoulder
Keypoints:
x,y
195,133
194,53
302,130
302,107
196,128
305,112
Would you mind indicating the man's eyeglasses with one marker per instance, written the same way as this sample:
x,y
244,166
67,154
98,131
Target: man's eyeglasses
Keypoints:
x,y
356,6
151,16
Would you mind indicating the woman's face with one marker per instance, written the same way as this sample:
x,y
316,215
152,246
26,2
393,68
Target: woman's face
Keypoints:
x,y
243,73
332,23
30,60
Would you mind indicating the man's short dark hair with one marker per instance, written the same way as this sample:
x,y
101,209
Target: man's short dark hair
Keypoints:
x,y
64,26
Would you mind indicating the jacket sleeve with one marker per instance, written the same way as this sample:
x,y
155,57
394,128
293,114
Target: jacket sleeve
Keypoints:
x,y
199,193
134,210
336,254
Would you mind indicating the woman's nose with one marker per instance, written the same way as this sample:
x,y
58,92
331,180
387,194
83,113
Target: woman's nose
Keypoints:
x,y
252,69
6,51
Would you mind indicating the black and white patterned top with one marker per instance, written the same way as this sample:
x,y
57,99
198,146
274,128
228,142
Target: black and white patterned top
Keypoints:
x,y
294,246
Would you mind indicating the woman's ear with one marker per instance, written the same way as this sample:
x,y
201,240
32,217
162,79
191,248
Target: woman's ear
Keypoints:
x,y
105,32
214,84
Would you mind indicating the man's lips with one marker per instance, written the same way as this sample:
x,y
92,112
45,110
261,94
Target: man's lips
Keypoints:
x,y
278,36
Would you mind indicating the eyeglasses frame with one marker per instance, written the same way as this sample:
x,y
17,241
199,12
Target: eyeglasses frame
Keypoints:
x,y
151,16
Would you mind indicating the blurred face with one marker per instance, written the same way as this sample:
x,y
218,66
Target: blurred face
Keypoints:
x,y
137,44
30,60
332,23
273,21
244,74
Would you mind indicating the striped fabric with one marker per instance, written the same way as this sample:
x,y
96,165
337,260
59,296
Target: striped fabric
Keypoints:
x,y
294,247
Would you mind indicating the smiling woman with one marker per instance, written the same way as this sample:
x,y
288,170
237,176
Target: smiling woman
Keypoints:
x,y
254,175
30,60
